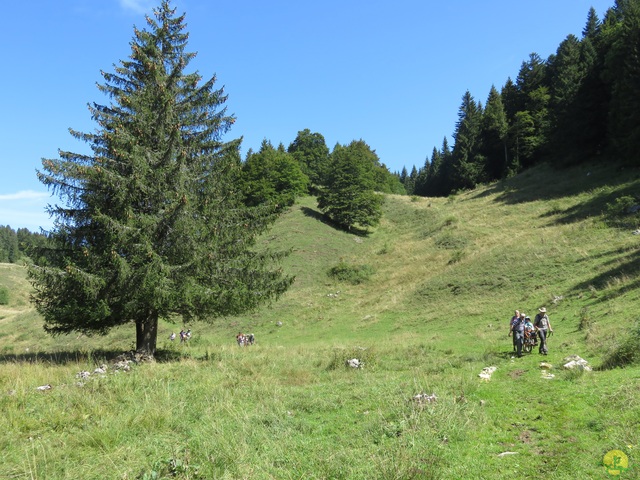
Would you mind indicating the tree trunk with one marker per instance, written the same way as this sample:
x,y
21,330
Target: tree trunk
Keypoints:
x,y
147,334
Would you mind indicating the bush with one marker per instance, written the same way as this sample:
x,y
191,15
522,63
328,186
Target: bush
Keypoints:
x,y
4,296
353,274
621,205
450,241
627,352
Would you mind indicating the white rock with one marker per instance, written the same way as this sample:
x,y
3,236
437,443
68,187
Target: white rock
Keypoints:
x,y
354,363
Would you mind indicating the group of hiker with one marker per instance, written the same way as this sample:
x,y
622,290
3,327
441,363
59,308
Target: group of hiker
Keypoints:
x,y
521,327
245,339
184,336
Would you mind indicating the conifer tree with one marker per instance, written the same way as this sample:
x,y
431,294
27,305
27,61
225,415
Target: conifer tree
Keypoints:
x,y
468,163
152,224
494,136
622,69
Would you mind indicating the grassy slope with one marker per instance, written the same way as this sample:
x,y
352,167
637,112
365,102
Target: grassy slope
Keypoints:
x,y
447,275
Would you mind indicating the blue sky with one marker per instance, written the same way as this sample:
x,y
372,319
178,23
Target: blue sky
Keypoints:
x,y
390,73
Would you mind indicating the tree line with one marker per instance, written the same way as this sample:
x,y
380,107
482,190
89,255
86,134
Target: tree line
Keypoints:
x,y
581,103
347,181
15,245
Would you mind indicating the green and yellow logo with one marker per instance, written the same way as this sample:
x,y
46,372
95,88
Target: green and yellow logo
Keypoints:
x,y
615,462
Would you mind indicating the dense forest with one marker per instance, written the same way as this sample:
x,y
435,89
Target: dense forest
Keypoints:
x,y
580,104
15,245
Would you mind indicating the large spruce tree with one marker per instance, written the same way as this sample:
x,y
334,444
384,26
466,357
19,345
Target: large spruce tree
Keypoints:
x,y
153,225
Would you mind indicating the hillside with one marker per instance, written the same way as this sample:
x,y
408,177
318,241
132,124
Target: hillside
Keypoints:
x,y
442,278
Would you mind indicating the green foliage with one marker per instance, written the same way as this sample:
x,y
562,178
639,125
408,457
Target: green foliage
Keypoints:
x,y
154,225
621,205
312,153
353,274
570,108
4,296
627,351
349,198
272,177
9,250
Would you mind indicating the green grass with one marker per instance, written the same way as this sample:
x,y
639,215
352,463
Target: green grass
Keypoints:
x,y
443,277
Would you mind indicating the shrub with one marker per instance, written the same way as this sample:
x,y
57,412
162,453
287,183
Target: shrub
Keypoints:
x,y
621,205
627,352
4,296
353,274
450,241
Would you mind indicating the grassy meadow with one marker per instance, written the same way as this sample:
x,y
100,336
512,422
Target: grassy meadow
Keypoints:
x,y
424,301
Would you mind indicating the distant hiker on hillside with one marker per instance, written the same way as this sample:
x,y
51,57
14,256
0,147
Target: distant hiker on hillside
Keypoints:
x,y
515,317
183,335
188,334
240,338
543,326
517,330
172,337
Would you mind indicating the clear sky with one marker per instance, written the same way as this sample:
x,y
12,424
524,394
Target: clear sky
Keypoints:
x,y
391,73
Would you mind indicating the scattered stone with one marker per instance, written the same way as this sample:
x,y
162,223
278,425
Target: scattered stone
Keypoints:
x,y
637,232
278,324
557,298
574,362
101,370
483,403
354,363
487,372
425,398
504,454
83,374
546,366
11,393
44,388
333,295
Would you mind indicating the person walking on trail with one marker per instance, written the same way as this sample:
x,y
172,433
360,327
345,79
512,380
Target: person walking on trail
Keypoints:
x,y
543,326
517,330
516,316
